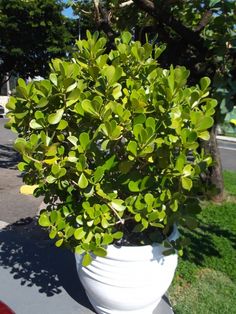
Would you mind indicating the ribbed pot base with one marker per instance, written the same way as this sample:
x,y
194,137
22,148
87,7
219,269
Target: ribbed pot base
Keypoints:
x,y
147,310
129,280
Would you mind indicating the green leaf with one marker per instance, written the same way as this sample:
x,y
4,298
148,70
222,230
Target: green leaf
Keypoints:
x,y
149,199
53,78
98,174
117,205
73,140
39,115
88,107
21,83
105,223
62,125
112,73
21,92
213,2
42,102
55,118
100,251
187,170
55,169
79,233
87,259
53,234
20,144
79,250
126,37
132,147
140,119
84,140
174,206
134,186
204,135
50,179
204,123
21,166
110,163
186,183
53,216
107,239
83,182
155,215
71,87
59,242
205,81
117,235
150,123
44,220
117,91
125,166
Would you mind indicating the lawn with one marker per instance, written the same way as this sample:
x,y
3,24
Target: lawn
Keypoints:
x,y
205,281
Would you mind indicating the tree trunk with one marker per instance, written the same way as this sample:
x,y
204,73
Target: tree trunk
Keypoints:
x,y
215,176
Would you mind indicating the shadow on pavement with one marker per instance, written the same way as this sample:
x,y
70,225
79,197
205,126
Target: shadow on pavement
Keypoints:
x,y
34,260
9,158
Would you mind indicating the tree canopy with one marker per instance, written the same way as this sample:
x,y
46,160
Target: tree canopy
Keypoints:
x,y
199,34
31,33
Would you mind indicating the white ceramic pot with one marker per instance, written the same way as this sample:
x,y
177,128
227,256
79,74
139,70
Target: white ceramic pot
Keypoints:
x,y
130,279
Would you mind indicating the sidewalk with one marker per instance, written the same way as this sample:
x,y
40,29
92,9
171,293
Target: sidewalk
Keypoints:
x,y
36,277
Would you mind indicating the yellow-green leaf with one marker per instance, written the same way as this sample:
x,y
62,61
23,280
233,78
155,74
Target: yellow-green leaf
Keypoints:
x,y
28,189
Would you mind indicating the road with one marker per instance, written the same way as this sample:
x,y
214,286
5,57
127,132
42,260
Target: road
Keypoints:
x,y
26,206
13,205
228,154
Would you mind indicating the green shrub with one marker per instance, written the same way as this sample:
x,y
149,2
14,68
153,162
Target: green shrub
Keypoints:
x,y
106,140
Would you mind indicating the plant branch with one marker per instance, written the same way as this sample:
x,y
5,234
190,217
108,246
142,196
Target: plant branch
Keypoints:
x,y
204,21
126,3
165,17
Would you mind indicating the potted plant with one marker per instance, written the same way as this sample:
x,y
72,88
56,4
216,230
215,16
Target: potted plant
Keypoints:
x,y
111,142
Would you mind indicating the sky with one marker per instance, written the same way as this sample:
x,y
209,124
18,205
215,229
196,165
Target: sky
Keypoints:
x,y
68,12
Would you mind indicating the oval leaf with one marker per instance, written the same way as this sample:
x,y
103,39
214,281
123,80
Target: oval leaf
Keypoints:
x,y
28,189
55,118
83,182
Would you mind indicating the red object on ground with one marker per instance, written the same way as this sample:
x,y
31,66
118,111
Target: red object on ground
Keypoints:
x,y
4,309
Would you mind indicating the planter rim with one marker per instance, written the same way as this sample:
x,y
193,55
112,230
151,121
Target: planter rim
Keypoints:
x,y
173,236
135,253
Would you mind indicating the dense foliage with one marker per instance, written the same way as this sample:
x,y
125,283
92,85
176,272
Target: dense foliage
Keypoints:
x,y
31,33
199,35
110,140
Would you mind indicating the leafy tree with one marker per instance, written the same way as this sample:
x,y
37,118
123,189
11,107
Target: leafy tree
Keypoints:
x,y
198,34
31,33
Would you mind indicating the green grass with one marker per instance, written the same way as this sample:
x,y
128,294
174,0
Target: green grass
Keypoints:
x,y
230,181
212,293
205,281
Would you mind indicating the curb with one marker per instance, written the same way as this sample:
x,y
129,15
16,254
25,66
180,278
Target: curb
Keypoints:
x,y
3,224
226,138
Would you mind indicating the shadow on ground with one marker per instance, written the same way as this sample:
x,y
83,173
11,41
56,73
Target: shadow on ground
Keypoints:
x,y
9,158
202,242
34,260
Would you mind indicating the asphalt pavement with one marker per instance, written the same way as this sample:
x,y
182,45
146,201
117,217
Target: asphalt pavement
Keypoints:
x,y
227,148
13,205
